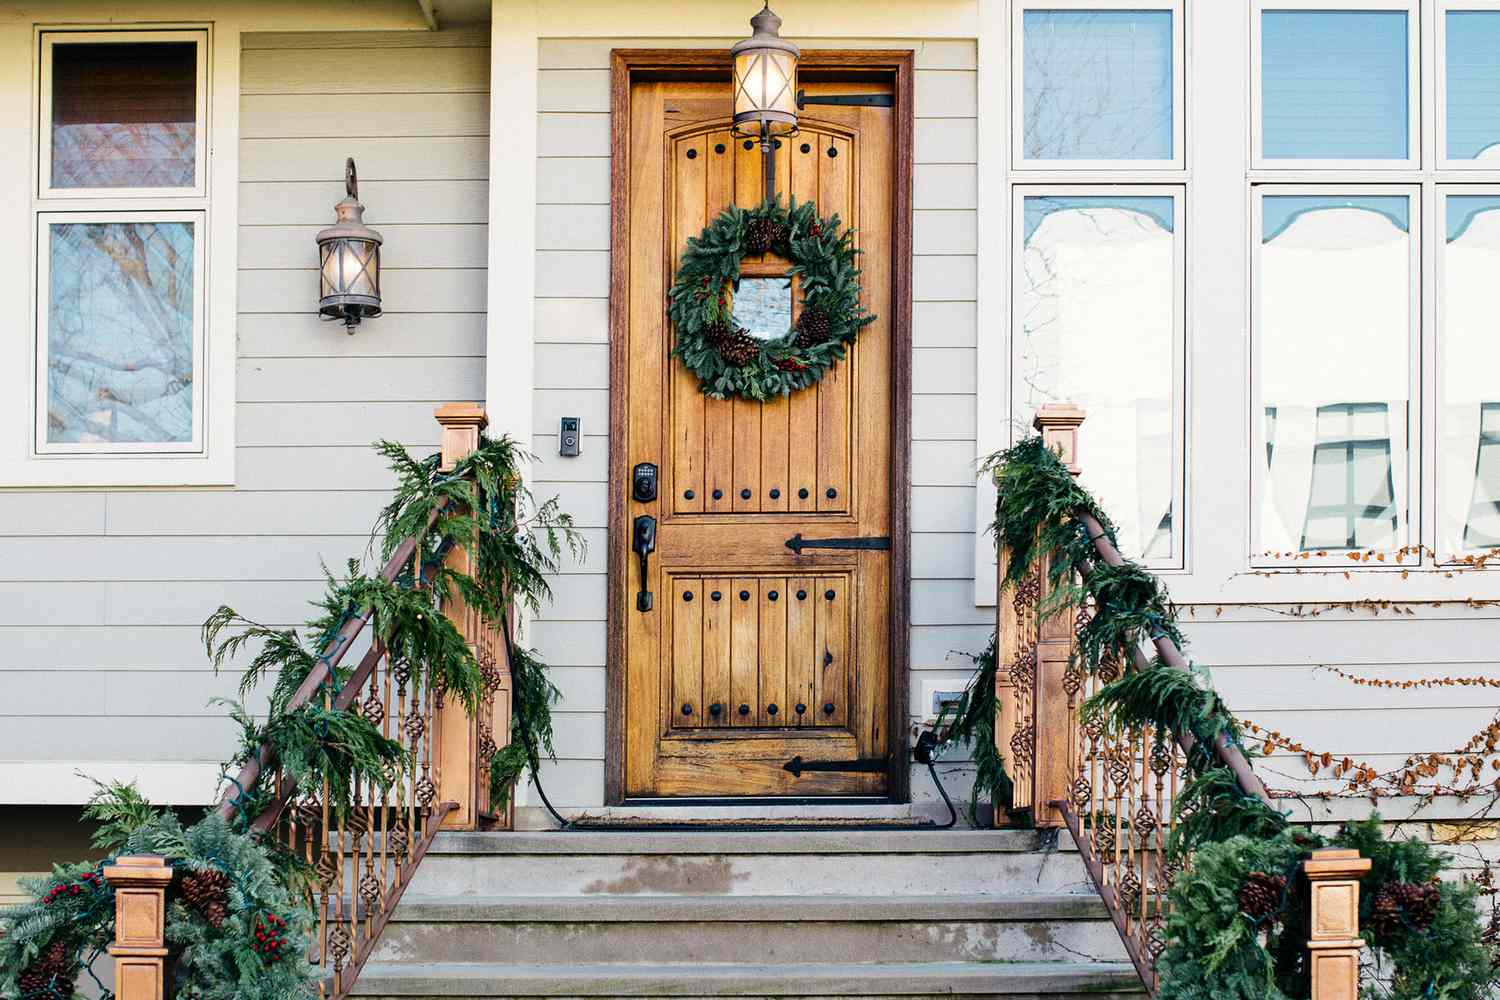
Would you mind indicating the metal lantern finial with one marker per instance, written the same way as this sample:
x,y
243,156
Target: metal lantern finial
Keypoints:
x,y
349,260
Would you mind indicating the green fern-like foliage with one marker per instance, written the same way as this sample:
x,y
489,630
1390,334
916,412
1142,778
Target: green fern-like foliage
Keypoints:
x,y
481,508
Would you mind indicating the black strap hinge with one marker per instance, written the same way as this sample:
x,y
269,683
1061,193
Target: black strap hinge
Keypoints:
x,y
797,543
869,765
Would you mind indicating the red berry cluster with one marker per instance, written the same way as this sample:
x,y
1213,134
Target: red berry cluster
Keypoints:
x,y
270,937
90,880
816,229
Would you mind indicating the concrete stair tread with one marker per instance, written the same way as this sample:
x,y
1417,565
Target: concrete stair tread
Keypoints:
x,y
748,842
740,909
842,979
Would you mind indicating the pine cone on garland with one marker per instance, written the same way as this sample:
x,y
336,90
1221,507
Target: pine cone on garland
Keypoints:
x,y
739,349
813,327
54,966
208,893
763,236
1400,905
1261,896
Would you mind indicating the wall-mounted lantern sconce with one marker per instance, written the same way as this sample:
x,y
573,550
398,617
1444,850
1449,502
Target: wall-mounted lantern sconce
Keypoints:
x,y
765,89
349,260
766,97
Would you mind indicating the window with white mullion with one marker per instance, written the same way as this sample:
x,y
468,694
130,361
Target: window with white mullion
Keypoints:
x,y
1335,84
1335,321
1098,321
1098,85
120,222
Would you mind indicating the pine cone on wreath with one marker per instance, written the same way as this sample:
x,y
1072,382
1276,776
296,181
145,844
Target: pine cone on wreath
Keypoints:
x,y
1261,895
718,335
813,327
763,236
739,349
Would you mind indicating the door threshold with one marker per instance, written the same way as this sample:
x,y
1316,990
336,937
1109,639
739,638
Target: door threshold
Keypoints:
x,y
744,814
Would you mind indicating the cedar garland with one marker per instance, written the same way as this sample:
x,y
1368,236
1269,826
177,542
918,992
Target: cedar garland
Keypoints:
x,y
1236,928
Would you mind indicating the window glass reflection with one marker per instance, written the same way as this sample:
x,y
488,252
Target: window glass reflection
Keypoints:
x,y
124,114
1332,364
1469,390
120,332
1473,84
1097,84
1097,327
1334,84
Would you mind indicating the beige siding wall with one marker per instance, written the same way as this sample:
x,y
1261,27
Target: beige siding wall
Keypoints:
x,y
572,368
102,593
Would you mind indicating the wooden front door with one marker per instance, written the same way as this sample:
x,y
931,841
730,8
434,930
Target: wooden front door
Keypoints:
x,y
752,654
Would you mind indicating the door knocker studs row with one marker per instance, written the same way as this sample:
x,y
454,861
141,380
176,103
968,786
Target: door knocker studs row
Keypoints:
x,y
687,595
717,709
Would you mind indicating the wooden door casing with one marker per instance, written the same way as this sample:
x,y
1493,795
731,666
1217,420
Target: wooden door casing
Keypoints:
x,y
703,691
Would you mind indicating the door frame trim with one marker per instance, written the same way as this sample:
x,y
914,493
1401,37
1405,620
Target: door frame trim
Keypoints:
x,y
626,67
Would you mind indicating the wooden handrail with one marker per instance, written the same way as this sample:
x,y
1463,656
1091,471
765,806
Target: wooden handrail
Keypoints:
x,y
332,655
1229,754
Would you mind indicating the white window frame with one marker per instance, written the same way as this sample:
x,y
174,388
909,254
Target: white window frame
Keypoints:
x,y
214,203
1411,502
1414,85
1177,559
1020,161
53,37
1440,75
45,221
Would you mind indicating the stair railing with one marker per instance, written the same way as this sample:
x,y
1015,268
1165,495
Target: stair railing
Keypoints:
x,y
1114,788
363,860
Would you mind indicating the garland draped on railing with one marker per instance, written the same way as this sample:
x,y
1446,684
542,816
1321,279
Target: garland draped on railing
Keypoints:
x,y
308,816
1233,924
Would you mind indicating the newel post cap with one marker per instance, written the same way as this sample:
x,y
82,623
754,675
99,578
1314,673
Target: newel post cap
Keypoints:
x,y
1058,424
461,423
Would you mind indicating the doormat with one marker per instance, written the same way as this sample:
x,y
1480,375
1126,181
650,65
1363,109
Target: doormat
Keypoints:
x,y
635,824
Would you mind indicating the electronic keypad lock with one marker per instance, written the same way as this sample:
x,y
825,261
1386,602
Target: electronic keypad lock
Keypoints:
x,y
643,483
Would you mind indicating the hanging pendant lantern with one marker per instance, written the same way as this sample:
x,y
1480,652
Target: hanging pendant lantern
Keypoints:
x,y
765,81
349,260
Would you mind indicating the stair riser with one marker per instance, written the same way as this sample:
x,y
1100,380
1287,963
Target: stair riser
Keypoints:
x,y
772,942
747,875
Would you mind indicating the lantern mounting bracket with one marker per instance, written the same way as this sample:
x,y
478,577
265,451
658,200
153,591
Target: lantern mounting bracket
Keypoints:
x,y
846,100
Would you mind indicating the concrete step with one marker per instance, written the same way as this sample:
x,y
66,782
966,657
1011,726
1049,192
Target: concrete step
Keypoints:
x,y
830,981
803,863
783,929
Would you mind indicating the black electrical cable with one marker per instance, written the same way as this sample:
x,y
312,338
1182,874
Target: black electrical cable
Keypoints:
x,y
536,765
922,754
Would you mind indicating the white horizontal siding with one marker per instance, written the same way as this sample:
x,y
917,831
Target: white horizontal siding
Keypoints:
x,y
112,587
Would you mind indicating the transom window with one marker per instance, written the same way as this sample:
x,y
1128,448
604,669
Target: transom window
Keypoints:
x,y
1098,82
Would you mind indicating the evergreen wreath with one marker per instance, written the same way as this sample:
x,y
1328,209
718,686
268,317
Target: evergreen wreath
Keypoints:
x,y
728,361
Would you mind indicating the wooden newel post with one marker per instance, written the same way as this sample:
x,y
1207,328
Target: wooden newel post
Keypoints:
x,y
140,948
1333,950
462,743
1054,707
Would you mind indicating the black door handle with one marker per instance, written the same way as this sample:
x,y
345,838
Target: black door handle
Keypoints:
x,y
644,543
